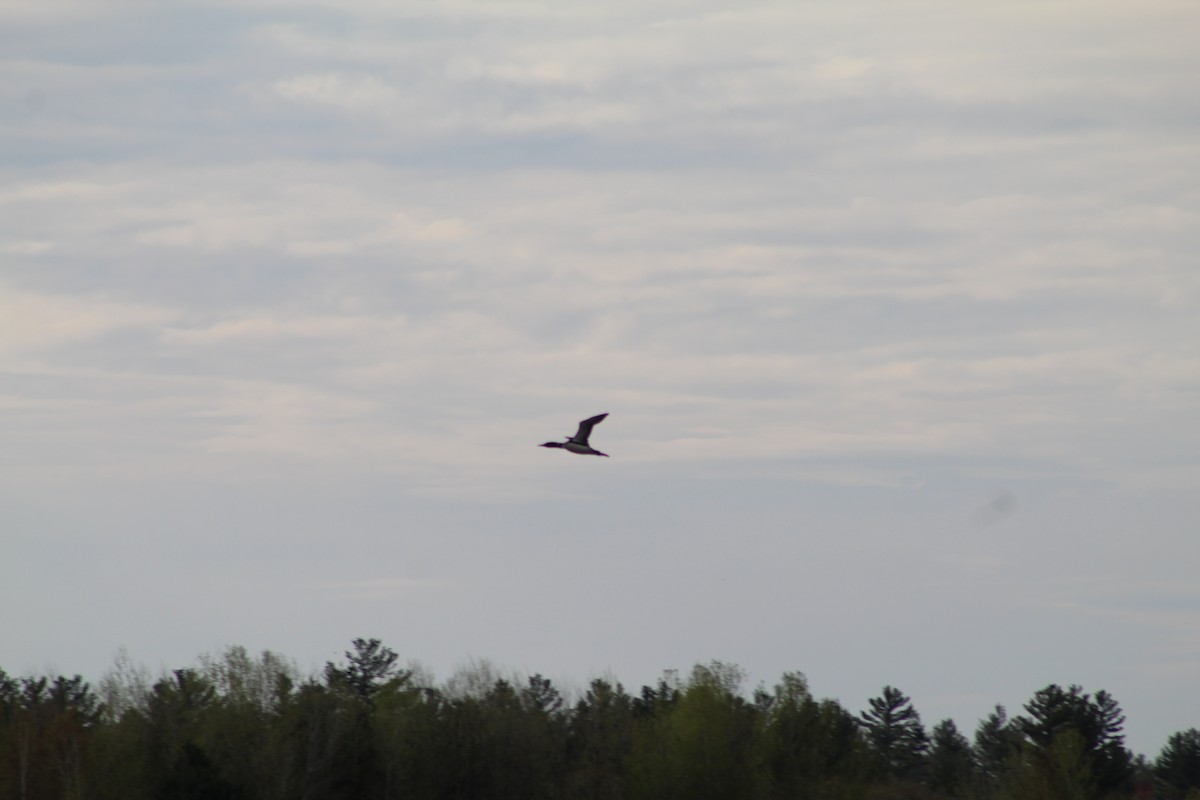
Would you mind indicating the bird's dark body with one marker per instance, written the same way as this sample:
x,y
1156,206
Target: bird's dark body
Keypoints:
x,y
579,442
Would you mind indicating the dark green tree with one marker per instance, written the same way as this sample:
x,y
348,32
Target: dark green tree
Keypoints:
x,y
368,667
406,726
600,741
245,728
10,706
332,728
179,732
809,748
995,746
1113,761
951,760
1090,732
46,729
1177,768
28,748
700,744
329,744
541,695
524,739
894,731
657,699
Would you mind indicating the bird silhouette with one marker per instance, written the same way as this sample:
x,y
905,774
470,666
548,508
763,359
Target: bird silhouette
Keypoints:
x,y
579,442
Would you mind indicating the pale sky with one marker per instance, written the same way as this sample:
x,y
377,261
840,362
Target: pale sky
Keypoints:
x,y
895,308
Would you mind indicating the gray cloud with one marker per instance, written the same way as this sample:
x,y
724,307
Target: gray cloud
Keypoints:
x,y
306,284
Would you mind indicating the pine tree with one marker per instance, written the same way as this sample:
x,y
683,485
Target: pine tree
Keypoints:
x,y
1055,713
600,742
951,759
368,667
995,744
1177,768
895,733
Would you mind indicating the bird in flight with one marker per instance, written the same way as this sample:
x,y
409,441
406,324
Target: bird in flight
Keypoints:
x,y
579,442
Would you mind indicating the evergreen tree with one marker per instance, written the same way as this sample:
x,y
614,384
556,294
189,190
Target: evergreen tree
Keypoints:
x,y
335,724
331,744
995,745
1113,761
894,731
659,698
1093,727
542,696
368,667
179,732
525,739
46,728
243,728
951,760
1177,768
809,749
405,727
600,743
9,707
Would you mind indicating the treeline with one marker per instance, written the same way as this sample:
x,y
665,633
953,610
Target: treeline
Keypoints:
x,y
236,727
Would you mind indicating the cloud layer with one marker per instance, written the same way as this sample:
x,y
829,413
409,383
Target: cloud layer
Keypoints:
x,y
304,265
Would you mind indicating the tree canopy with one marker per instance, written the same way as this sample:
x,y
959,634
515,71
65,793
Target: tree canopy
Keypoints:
x,y
244,727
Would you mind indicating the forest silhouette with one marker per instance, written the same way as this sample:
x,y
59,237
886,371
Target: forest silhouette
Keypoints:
x,y
240,727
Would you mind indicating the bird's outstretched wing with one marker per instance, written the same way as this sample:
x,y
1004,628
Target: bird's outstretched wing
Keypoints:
x,y
585,429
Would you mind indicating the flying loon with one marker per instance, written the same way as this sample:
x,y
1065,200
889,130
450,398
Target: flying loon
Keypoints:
x,y
579,442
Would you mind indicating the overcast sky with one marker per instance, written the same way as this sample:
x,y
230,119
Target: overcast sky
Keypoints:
x,y
895,308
